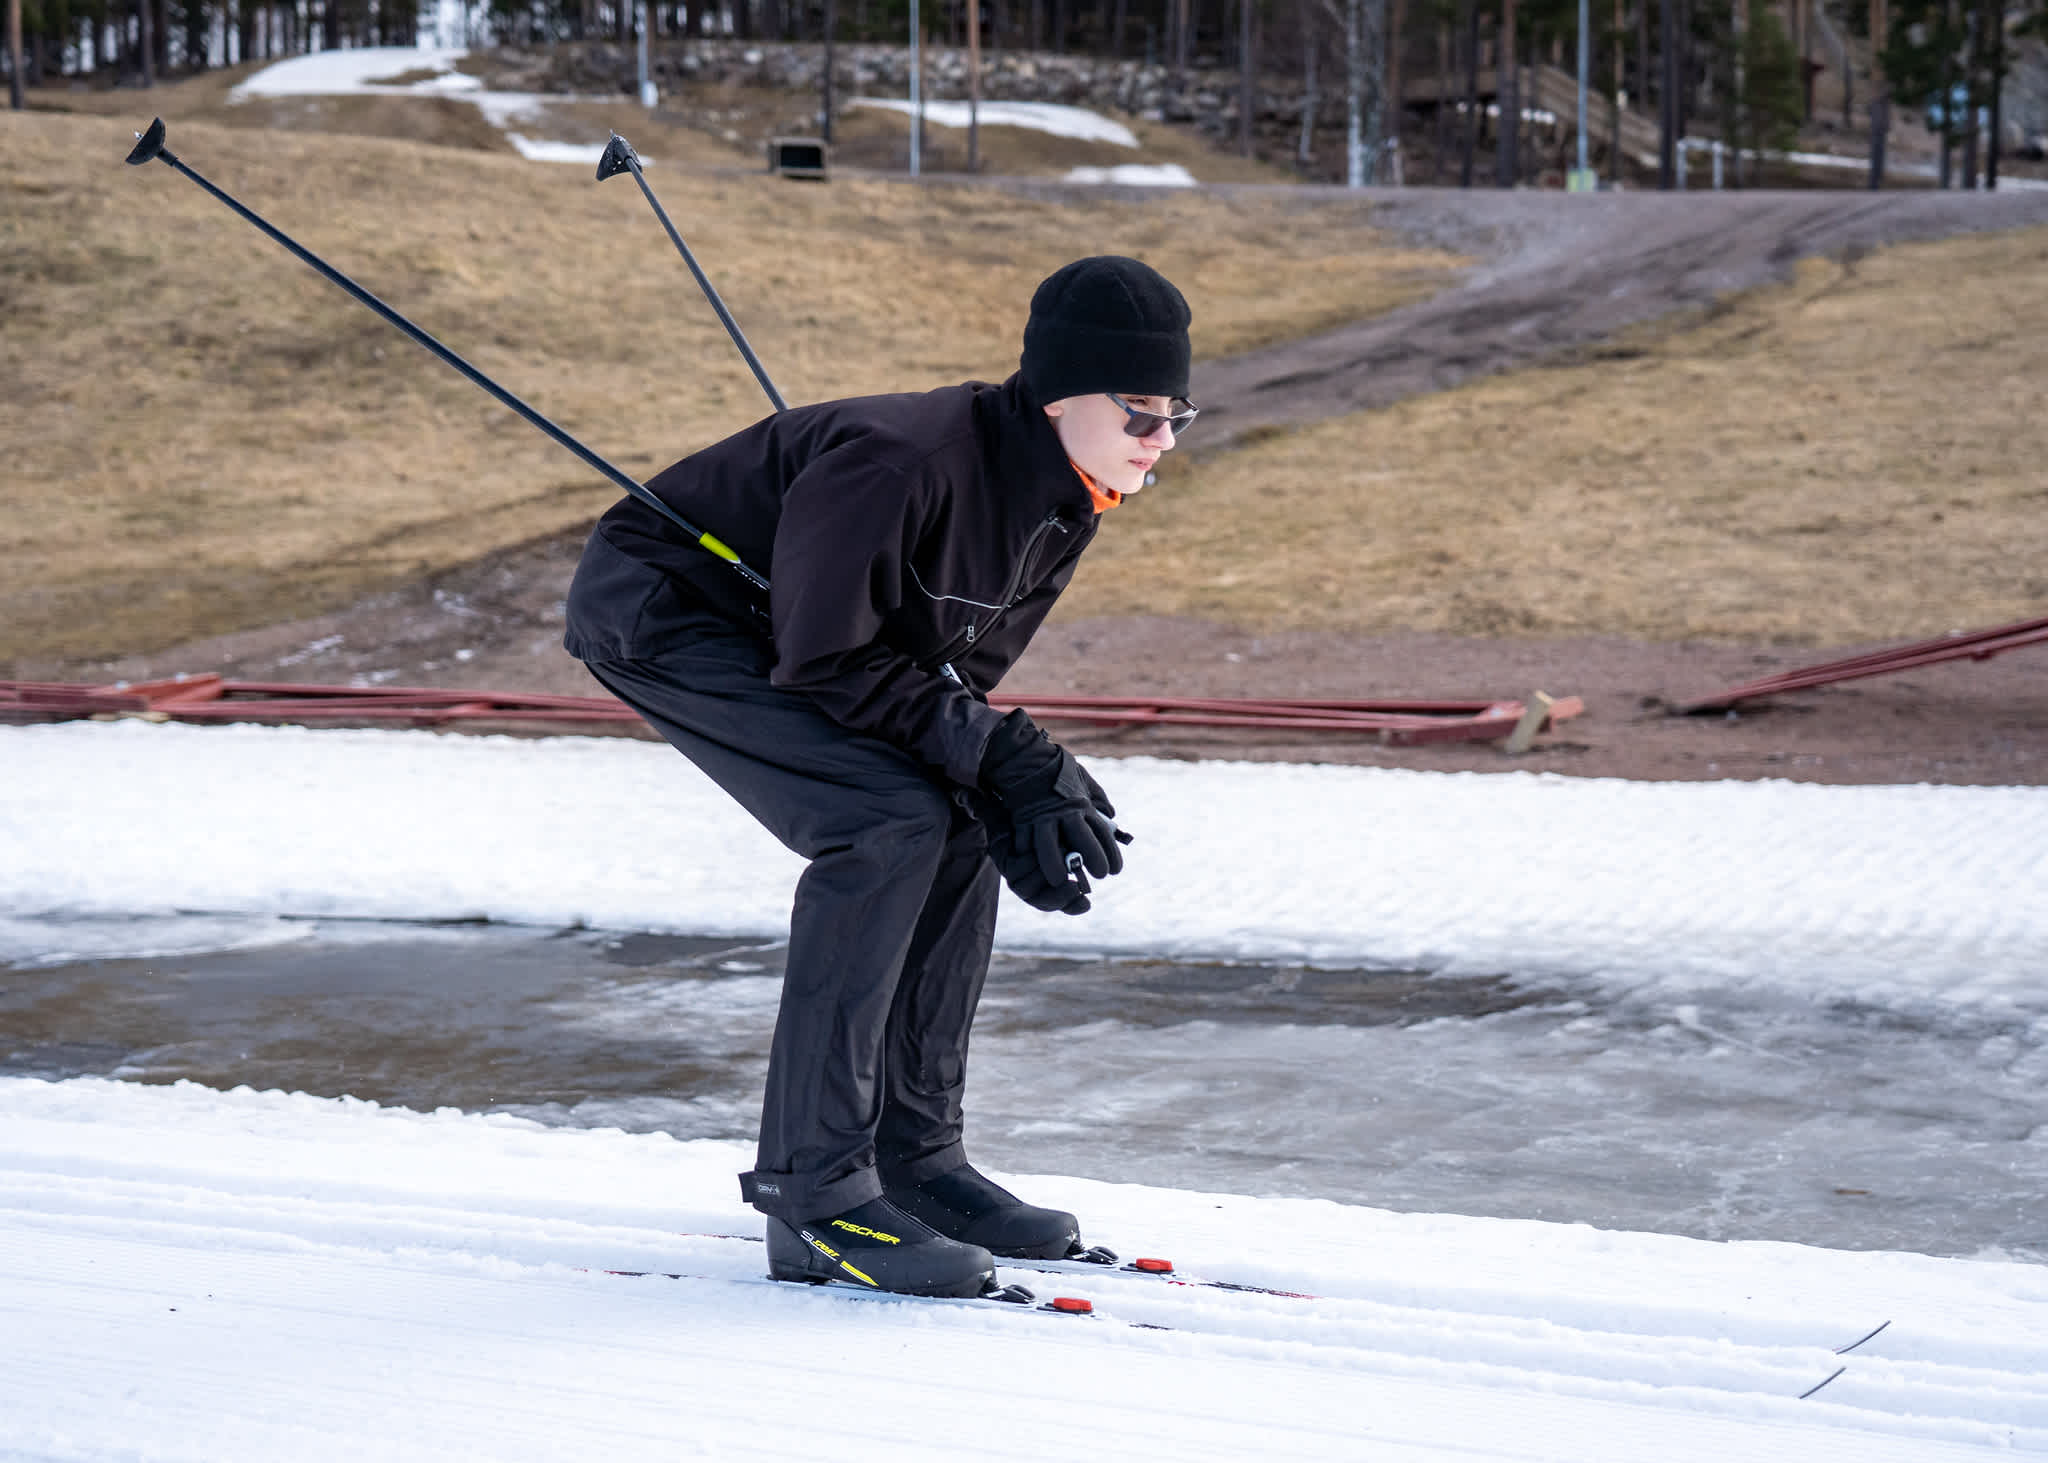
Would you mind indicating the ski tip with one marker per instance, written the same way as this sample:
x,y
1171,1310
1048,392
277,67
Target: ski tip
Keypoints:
x,y
1866,1336
1822,1382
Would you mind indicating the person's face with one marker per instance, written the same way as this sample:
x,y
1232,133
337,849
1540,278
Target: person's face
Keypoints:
x,y
1091,428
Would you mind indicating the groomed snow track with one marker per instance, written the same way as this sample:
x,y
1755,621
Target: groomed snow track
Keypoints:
x,y
190,1274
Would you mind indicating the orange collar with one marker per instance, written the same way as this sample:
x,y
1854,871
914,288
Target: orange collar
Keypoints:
x,y
1103,498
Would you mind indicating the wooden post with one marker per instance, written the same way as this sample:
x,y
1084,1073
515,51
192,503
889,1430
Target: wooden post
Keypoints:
x,y
1535,712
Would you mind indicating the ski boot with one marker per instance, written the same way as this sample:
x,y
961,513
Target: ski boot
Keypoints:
x,y
878,1246
962,1205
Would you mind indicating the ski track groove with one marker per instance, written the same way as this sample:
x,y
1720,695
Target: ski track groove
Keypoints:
x,y
1948,1396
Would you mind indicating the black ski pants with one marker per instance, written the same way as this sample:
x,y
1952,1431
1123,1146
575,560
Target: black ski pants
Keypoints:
x,y
890,935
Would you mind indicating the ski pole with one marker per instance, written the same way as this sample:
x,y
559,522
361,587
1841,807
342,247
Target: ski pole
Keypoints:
x,y
619,157
150,144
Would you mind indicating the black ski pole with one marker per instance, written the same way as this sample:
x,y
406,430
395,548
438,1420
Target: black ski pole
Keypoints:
x,y
150,144
619,157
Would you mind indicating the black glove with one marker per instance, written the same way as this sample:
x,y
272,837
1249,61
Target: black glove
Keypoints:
x,y
1018,865
1058,815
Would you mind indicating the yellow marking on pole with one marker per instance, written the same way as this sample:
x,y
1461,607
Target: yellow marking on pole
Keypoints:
x,y
711,542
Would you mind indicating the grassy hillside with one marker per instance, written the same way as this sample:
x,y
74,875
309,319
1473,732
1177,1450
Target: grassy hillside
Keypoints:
x,y
1860,454
202,435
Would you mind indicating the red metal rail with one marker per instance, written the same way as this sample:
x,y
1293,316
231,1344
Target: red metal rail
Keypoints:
x,y
213,698
1969,644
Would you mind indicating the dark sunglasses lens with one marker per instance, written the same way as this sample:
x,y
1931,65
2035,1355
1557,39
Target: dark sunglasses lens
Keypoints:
x,y
1145,423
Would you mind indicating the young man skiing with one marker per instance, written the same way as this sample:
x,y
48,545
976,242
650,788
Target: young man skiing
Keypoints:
x,y
914,544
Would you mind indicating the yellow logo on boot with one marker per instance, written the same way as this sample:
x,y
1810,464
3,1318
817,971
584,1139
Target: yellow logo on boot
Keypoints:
x,y
887,1239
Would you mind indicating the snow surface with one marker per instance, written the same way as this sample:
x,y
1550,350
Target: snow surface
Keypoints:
x,y
1146,175
357,73
1887,894
194,1275
366,72
1051,117
587,153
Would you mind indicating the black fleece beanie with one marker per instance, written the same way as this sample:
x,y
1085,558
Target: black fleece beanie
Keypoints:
x,y
1106,323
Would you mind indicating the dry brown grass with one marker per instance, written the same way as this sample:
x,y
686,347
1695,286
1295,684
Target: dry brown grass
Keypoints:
x,y
201,435
1861,454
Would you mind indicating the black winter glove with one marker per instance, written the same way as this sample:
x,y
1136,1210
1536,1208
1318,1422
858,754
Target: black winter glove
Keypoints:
x,y
1058,814
1019,868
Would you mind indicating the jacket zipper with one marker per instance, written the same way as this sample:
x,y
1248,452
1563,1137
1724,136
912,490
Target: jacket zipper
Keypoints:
x,y
1014,590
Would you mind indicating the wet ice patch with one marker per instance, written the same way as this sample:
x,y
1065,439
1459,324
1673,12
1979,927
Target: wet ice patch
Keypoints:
x,y
1887,895
60,939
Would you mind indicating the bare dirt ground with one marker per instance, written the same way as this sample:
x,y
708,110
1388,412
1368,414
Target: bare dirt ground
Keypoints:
x,y
1559,280
497,625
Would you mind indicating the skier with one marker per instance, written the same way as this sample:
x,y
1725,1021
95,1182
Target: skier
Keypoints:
x,y
914,544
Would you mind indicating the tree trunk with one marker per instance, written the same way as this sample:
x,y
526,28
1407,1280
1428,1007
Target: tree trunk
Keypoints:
x,y
1506,88
1244,77
1641,93
1443,98
148,43
1304,152
1667,96
1994,19
16,96
1614,97
1395,87
1471,92
825,75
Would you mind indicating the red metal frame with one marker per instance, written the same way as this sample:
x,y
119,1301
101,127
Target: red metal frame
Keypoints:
x,y
213,698
1969,644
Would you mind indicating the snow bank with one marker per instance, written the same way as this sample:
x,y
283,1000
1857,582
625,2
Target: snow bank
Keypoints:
x,y
587,153
194,1275
1888,893
370,70
1144,175
1051,117
360,72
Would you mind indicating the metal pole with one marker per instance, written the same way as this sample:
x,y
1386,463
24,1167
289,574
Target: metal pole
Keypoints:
x,y
619,157
973,86
150,145
916,96
1585,69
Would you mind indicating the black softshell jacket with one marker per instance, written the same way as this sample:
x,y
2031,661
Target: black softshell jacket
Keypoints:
x,y
901,535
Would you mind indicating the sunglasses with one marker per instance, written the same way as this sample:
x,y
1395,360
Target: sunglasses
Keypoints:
x,y
1145,423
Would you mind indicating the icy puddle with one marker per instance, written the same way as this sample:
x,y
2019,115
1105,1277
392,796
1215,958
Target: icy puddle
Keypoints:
x,y
1751,1115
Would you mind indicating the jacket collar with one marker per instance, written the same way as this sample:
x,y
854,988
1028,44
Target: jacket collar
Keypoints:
x,y
1032,464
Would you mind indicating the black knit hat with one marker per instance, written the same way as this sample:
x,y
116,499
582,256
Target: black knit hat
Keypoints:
x,y
1106,323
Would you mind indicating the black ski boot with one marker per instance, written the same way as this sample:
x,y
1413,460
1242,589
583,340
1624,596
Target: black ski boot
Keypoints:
x,y
963,1205
879,1246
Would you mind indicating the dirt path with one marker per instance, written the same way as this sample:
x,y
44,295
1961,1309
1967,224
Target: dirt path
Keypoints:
x,y
1558,271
